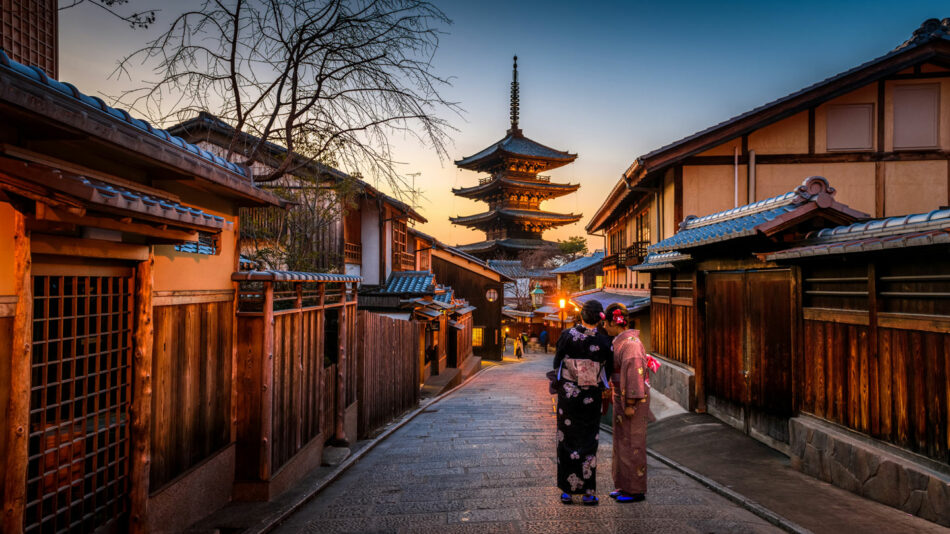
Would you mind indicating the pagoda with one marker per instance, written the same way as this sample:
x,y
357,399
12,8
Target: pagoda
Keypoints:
x,y
514,190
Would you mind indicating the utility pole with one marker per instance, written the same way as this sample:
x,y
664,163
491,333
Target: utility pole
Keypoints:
x,y
415,193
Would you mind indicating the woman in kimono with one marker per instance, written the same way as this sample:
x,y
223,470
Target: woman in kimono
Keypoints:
x,y
582,362
631,406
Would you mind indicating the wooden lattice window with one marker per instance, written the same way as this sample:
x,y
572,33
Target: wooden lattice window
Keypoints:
x,y
478,335
80,394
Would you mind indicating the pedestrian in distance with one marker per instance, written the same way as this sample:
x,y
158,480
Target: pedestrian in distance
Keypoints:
x,y
582,363
630,383
518,349
543,340
524,341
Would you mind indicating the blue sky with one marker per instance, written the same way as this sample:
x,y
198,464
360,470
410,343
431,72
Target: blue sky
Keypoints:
x,y
608,80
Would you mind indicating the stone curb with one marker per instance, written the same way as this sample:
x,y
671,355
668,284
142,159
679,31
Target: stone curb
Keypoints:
x,y
737,498
271,521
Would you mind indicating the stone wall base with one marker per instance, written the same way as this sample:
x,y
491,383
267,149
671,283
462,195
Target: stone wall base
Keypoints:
x,y
675,381
870,468
195,494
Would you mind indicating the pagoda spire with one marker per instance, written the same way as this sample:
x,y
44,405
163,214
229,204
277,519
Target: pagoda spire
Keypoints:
x,y
514,99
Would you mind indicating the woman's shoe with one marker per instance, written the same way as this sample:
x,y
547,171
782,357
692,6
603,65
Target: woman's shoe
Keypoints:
x,y
630,497
566,499
615,493
590,500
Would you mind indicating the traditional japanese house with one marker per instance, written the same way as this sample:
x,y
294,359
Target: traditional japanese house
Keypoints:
x,y
880,130
117,323
581,274
514,190
361,230
825,342
874,360
473,280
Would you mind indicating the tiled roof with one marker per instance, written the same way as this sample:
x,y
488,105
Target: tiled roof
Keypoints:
x,y
515,269
580,263
410,282
546,310
509,244
661,261
515,214
517,145
247,264
921,229
476,191
752,218
96,105
465,309
445,296
632,302
100,194
292,276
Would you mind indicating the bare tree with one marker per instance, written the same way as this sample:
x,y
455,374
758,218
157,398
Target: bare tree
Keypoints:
x,y
324,79
136,19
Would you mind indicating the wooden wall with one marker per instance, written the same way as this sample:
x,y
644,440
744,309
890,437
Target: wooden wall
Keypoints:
x,y
388,369
876,352
674,321
472,287
191,382
6,344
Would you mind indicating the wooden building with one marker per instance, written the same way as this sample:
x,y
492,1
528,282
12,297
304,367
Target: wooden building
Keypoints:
x,y
117,323
581,274
361,230
880,131
825,342
514,222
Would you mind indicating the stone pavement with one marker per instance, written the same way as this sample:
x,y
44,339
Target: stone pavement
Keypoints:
x,y
482,460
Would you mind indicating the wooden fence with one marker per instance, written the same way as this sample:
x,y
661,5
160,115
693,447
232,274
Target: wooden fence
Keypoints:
x,y
388,369
293,341
674,322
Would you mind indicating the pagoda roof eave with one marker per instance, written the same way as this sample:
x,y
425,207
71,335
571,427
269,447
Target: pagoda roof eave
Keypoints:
x,y
554,189
516,146
483,247
514,214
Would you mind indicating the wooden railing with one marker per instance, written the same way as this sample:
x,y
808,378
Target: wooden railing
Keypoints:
x,y
404,261
353,253
618,259
636,252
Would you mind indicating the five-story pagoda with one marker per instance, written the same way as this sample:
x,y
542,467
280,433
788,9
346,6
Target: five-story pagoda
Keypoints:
x,y
514,222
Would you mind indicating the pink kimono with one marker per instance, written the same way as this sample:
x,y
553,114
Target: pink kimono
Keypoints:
x,y
630,381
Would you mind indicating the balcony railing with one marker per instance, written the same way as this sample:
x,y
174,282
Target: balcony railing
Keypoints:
x,y
616,260
353,253
404,261
636,252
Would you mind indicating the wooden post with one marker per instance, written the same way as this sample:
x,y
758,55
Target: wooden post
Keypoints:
x,y
339,432
18,409
267,382
141,398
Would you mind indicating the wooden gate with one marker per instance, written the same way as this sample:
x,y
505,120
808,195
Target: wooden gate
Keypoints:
x,y
750,321
78,464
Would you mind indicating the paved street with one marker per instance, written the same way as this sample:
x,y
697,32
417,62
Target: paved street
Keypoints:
x,y
482,460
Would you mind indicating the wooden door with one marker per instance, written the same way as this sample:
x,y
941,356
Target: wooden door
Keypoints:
x,y
80,395
749,326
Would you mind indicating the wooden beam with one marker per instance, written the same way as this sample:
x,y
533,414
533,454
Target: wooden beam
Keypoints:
x,y
141,398
880,115
879,190
121,225
18,407
267,383
90,248
829,157
811,130
677,196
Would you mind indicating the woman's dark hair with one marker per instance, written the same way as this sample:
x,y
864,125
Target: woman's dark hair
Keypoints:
x,y
591,312
617,315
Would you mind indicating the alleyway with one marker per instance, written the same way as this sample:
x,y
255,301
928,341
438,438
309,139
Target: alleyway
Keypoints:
x,y
482,460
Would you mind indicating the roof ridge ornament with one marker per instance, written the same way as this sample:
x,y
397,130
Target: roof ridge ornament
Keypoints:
x,y
515,102
929,29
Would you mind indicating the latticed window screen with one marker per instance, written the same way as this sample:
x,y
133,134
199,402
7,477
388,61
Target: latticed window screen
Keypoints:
x,y
28,32
77,475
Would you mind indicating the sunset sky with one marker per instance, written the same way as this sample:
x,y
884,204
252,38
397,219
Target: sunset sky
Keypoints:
x,y
607,80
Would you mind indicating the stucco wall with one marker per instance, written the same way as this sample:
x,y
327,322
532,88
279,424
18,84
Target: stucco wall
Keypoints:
x,y
177,271
853,181
369,235
711,188
914,186
788,136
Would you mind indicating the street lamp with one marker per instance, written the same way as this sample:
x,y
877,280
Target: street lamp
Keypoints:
x,y
562,303
537,296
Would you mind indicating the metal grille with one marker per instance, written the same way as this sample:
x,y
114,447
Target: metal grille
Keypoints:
x,y
78,472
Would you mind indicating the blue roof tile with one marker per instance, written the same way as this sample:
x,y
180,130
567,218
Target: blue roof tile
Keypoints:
x,y
580,263
410,282
96,103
